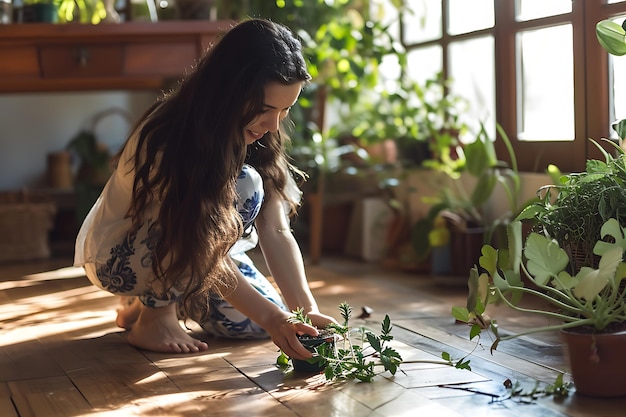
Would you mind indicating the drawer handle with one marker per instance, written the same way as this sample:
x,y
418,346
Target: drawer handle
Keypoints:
x,y
83,57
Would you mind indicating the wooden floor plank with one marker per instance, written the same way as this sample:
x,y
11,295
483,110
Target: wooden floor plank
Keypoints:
x,y
26,359
119,384
534,370
7,409
50,397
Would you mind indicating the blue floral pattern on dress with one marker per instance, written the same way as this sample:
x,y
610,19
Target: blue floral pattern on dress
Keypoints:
x,y
250,198
116,275
151,300
224,320
129,269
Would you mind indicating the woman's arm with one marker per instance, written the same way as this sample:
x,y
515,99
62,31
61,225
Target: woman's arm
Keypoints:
x,y
284,260
269,316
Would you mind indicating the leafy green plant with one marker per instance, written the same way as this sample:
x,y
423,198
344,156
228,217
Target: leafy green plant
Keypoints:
x,y
356,353
423,115
581,214
477,159
590,298
573,210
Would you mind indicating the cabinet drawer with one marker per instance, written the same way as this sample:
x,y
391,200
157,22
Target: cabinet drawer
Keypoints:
x,y
76,61
163,59
19,61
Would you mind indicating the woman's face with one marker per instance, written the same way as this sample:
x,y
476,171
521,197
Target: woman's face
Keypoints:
x,y
278,100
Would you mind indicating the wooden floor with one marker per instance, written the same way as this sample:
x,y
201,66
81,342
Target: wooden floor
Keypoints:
x,y
62,355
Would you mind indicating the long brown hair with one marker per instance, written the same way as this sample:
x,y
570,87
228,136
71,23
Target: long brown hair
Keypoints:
x,y
191,149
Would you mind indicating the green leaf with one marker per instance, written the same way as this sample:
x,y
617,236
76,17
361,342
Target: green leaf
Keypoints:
x,y
386,325
514,239
476,157
460,314
484,188
592,281
283,360
374,341
545,258
475,331
463,365
613,229
474,287
489,258
566,281
611,37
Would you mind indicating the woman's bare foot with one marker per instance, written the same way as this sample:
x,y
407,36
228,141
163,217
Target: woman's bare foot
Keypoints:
x,y
128,312
158,330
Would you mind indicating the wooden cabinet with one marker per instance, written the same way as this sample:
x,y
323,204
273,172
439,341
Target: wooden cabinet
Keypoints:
x,y
71,57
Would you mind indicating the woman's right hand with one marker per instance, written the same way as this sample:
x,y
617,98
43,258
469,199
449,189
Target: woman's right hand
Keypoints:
x,y
285,335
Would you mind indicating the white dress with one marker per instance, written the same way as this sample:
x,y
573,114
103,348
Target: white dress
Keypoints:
x,y
119,261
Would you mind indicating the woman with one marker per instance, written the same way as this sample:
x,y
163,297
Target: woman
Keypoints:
x,y
204,171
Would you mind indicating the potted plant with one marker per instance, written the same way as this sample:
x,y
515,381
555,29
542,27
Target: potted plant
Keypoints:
x,y
326,337
467,184
582,296
588,306
575,208
343,352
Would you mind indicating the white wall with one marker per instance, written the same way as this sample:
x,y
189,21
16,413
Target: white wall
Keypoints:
x,y
33,125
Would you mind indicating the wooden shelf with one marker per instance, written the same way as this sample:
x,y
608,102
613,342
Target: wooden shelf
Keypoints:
x,y
73,57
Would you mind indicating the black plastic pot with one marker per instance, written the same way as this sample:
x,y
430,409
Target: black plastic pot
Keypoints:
x,y
311,342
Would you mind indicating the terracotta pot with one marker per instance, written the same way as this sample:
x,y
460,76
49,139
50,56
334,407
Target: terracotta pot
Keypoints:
x,y
597,362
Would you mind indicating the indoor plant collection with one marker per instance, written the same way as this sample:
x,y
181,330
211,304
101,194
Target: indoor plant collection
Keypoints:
x,y
582,296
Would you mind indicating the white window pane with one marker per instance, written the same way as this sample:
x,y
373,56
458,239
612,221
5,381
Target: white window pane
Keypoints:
x,y
534,9
424,63
468,16
423,21
546,84
616,1
387,14
619,85
472,70
617,68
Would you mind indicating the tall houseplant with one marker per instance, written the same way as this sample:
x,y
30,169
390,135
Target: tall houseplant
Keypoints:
x,y
469,182
582,297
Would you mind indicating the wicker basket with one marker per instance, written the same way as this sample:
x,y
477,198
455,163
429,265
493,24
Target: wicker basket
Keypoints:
x,y
24,225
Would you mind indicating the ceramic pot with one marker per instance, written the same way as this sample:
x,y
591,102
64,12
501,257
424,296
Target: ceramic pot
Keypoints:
x,y
597,362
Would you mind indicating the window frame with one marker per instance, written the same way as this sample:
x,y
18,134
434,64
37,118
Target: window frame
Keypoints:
x,y
591,81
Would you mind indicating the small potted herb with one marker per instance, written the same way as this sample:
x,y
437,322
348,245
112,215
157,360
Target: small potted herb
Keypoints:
x,y
325,337
346,353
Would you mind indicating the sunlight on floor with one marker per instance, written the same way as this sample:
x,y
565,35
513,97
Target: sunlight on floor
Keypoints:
x,y
61,273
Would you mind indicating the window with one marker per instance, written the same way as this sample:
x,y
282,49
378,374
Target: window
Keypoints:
x,y
534,66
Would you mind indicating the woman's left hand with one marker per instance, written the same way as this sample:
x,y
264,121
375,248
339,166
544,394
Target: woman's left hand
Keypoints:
x,y
320,320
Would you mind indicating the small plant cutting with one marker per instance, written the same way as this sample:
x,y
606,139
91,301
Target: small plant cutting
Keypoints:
x,y
350,353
